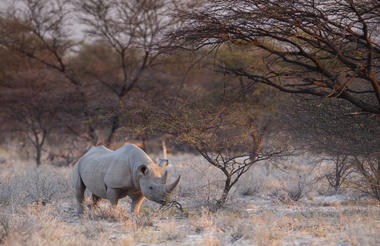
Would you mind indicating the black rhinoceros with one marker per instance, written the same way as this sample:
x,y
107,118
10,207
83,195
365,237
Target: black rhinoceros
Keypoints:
x,y
127,171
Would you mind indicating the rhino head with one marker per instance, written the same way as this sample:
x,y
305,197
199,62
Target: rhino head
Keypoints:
x,y
153,185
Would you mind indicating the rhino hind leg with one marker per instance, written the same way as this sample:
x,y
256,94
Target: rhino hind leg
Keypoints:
x,y
79,193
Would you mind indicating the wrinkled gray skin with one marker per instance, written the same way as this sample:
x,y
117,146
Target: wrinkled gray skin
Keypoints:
x,y
127,171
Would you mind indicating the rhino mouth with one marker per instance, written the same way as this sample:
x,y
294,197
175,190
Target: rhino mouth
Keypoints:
x,y
164,201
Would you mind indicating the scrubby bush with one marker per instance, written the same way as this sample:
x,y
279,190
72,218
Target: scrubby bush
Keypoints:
x,y
30,185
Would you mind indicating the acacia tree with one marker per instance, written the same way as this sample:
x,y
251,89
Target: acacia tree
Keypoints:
x,y
34,108
323,48
230,130
132,29
328,49
38,30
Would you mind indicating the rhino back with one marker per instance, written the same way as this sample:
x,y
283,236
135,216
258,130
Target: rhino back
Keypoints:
x,y
93,167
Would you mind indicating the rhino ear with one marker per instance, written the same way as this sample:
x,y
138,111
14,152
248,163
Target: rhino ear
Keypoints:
x,y
143,169
163,163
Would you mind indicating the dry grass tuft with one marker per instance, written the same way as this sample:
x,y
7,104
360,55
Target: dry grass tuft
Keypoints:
x,y
107,213
29,185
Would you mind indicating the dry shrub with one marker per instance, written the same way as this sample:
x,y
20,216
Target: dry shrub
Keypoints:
x,y
369,168
200,184
29,185
296,192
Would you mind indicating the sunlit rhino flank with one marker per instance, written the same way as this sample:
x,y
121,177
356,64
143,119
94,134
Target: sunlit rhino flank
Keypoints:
x,y
127,171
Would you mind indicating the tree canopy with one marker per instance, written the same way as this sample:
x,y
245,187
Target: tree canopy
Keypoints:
x,y
323,48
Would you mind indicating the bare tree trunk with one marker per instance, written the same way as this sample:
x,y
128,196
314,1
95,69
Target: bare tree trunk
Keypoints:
x,y
337,177
38,155
227,187
38,142
115,123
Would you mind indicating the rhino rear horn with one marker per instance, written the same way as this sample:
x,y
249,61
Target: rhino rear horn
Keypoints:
x,y
171,187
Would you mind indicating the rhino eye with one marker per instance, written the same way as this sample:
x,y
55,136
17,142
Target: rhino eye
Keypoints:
x,y
150,188
144,169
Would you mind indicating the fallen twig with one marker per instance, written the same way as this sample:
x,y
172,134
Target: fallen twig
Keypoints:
x,y
171,204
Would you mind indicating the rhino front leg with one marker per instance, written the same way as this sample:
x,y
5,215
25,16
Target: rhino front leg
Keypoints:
x,y
137,200
113,196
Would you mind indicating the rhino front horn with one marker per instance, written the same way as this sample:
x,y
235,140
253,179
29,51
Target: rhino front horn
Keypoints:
x,y
171,187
